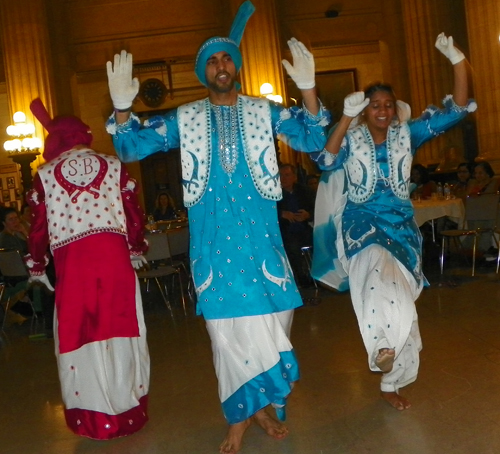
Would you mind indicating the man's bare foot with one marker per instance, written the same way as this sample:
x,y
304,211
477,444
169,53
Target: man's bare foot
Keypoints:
x,y
397,401
234,437
385,359
272,427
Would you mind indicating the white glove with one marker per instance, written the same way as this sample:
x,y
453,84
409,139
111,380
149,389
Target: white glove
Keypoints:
x,y
122,88
446,47
138,261
42,279
302,71
355,103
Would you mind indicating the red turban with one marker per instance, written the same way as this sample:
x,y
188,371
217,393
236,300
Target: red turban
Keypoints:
x,y
65,132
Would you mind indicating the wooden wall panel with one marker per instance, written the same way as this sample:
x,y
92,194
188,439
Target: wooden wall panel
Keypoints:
x,y
105,20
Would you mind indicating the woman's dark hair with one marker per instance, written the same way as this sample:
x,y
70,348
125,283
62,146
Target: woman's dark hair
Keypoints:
x,y
424,173
486,167
371,89
379,86
171,202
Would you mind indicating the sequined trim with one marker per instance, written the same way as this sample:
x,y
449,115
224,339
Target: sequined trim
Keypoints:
x,y
226,118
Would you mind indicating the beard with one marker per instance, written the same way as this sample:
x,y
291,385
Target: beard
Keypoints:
x,y
219,87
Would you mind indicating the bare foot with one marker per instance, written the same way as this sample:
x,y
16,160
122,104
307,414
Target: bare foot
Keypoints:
x,y
397,401
385,359
272,427
234,437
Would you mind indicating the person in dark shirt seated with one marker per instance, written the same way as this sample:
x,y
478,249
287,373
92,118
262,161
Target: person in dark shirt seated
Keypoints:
x,y
464,183
165,207
14,233
295,213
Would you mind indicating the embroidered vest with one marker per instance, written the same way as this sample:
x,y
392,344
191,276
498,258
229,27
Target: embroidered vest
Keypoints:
x,y
195,132
82,196
361,167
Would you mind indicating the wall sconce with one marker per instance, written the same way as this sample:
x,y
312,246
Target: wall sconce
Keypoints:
x,y
22,133
23,147
266,90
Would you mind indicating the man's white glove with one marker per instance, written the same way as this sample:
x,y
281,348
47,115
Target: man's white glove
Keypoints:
x,y
122,88
355,103
138,261
302,71
446,47
42,279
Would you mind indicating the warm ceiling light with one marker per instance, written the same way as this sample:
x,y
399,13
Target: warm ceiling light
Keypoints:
x,y
266,89
19,117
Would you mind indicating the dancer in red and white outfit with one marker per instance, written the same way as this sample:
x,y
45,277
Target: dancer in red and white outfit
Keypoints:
x,y
85,207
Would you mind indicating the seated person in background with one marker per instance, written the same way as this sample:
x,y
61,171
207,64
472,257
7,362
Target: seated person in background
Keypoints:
x,y
485,183
423,184
14,236
464,183
165,207
295,211
14,233
312,182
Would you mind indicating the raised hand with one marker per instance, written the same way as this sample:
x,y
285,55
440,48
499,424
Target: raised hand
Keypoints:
x,y
445,46
355,103
122,88
302,70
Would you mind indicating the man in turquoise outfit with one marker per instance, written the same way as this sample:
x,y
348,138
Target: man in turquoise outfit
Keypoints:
x,y
231,183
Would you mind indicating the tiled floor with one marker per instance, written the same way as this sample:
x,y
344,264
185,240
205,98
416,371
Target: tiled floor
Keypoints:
x,y
335,407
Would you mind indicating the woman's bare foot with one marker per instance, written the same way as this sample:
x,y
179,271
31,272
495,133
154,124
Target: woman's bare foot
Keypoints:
x,y
272,427
385,359
397,401
234,437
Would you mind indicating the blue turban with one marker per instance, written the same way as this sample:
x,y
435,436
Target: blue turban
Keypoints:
x,y
230,45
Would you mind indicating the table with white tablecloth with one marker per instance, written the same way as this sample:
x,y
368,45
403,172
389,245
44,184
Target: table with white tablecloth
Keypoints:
x,y
428,210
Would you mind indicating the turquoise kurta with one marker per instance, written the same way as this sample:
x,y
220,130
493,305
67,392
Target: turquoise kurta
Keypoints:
x,y
384,218
237,255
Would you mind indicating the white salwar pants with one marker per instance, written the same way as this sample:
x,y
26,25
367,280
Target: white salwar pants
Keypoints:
x,y
383,294
246,347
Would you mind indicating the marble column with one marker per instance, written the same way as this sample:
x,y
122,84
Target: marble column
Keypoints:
x,y
431,74
483,25
26,52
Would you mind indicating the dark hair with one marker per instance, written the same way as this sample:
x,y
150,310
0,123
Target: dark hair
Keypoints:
x,y
486,167
371,89
6,211
171,202
288,166
466,165
422,170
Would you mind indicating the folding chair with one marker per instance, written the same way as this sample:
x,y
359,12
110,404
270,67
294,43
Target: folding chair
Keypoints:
x,y
480,219
12,266
178,240
160,266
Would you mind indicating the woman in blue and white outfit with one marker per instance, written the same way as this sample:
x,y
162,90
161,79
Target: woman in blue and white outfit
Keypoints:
x,y
364,205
